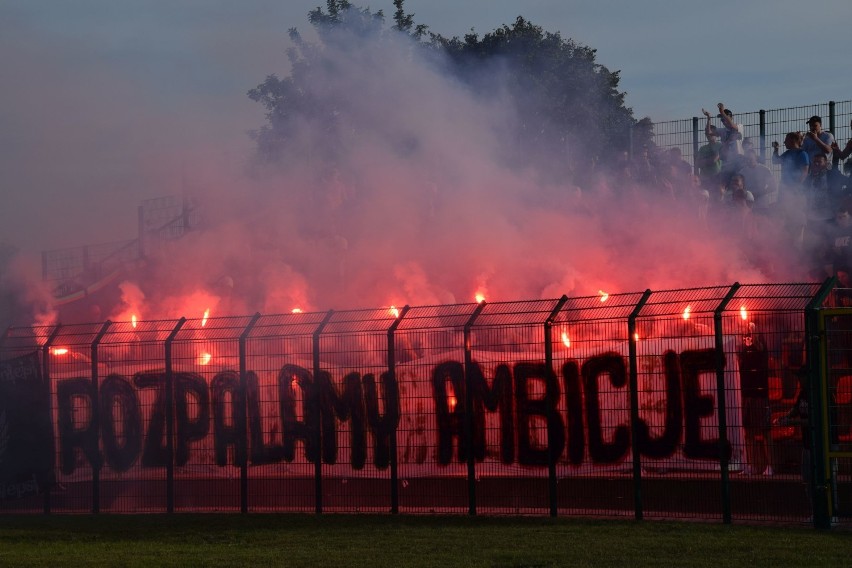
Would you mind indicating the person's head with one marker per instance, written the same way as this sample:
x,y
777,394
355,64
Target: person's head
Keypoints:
x,y
792,140
815,123
751,158
736,182
842,217
728,113
675,154
748,144
712,133
819,163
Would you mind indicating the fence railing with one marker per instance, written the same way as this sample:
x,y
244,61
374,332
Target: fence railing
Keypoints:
x,y
76,271
763,127
638,405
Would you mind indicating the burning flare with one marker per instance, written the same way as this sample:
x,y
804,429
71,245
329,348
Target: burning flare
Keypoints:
x,y
204,318
480,297
743,313
451,397
133,321
204,358
687,312
296,311
394,311
59,351
604,296
565,339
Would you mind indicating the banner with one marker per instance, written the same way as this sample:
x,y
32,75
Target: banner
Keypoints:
x,y
26,436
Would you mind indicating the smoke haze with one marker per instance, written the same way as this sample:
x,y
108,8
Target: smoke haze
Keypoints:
x,y
424,203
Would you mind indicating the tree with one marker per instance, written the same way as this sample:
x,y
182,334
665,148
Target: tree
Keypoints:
x,y
566,106
566,101
299,104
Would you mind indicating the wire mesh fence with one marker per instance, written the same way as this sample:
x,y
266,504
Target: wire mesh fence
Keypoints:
x,y
763,127
650,404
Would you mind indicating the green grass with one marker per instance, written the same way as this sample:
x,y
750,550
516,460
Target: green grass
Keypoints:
x,y
379,541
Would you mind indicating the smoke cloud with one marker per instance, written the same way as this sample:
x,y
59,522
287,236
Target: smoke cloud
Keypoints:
x,y
425,203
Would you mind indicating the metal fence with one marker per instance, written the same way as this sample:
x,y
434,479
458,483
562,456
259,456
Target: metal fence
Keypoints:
x,y
763,127
74,272
628,405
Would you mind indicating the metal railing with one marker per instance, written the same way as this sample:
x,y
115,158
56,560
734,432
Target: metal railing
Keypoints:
x,y
624,405
77,271
762,126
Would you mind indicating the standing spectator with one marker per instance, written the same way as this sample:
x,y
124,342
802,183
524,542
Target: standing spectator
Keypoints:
x,y
753,360
817,140
824,190
824,187
734,208
838,154
760,182
708,161
677,173
794,170
837,253
795,162
731,137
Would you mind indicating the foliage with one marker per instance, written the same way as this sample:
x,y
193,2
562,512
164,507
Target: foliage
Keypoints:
x,y
565,99
566,107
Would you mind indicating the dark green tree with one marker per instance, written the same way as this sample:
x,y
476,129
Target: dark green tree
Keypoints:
x,y
567,106
303,112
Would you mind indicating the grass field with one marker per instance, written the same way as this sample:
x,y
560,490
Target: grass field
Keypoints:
x,y
393,541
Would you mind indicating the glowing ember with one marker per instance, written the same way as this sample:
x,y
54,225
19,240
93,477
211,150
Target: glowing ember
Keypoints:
x,y
206,315
204,358
296,310
133,321
565,339
59,351
636,337
480,297
743,313
604,296
394,311
686,312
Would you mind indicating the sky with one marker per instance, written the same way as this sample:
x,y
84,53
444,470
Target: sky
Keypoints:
x,y
105,104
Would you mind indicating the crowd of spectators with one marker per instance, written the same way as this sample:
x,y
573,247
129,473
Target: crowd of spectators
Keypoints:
x,y
807,204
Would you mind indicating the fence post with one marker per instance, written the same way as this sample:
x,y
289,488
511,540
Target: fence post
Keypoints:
x,y
45,365
394,464
552,454
634,405
762,114
832,117
315,399
96,417
694,145
820,482
243,423
468,410
721,402
170,418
